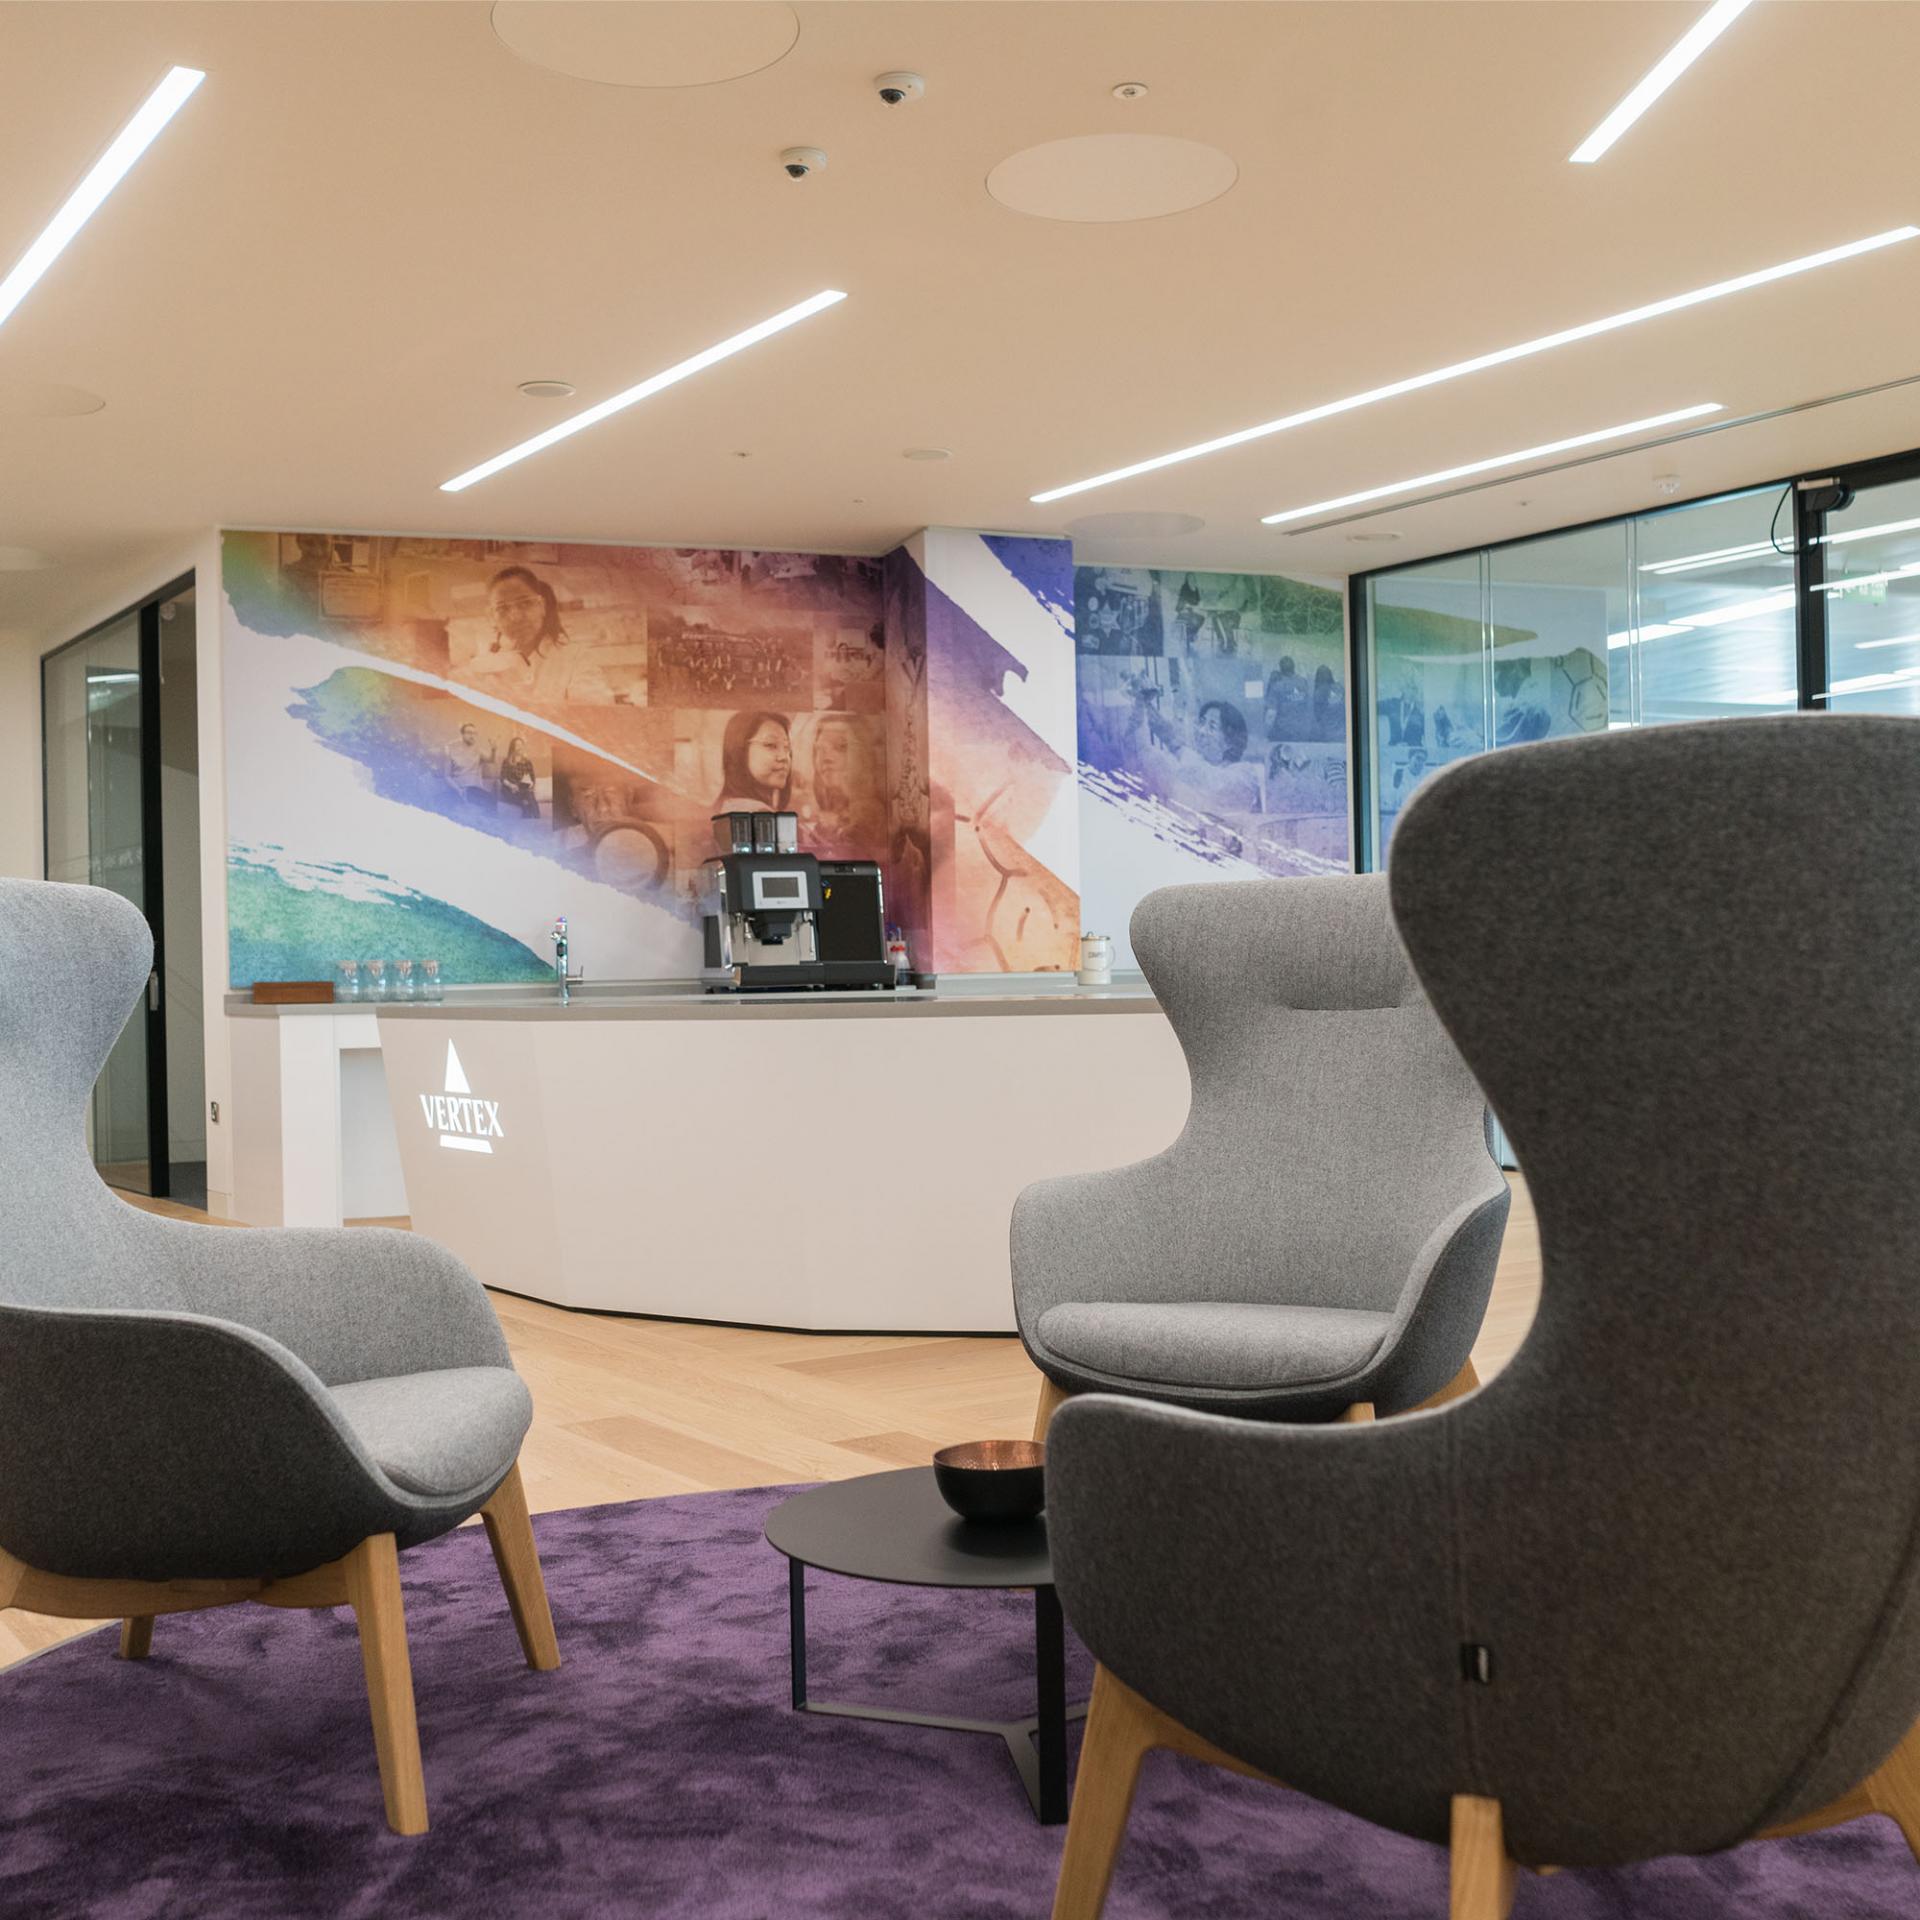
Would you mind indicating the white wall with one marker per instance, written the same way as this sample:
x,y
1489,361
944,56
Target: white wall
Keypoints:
x,y
20,851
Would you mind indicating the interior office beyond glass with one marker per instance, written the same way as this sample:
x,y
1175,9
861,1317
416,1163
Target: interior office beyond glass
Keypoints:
x,y
1687,614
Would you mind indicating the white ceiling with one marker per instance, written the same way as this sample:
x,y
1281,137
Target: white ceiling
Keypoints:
x,y
311,303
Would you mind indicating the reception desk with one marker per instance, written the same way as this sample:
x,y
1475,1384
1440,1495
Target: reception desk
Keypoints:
x,y
819,1161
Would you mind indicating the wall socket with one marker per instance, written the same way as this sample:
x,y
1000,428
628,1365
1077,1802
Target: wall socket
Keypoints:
x,y
213,1111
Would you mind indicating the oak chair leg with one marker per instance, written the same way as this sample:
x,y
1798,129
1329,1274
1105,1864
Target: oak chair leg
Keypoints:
x,y
1357,1414
1052,1395
1117,1739
373,1591
1483,1876
510,1531
1895,1789
136,1636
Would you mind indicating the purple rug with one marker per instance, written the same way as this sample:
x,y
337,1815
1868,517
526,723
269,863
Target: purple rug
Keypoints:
x,y
662,1774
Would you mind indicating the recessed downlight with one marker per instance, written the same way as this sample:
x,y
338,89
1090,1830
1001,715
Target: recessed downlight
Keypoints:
x,y
101,178
1566,337
547,389
1515,459
672,376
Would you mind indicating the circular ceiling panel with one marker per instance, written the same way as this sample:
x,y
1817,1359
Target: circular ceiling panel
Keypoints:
x,y
1112,176
1134,526
42,400
23,560
665,43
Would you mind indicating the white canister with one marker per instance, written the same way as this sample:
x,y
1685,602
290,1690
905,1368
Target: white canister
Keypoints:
x,y
1096,960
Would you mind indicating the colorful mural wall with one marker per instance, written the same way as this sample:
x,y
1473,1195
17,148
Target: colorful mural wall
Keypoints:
x,y
436,745
1212,732
990,618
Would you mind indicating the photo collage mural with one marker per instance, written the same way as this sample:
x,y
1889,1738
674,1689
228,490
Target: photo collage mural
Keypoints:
x,y
437,745
1212,731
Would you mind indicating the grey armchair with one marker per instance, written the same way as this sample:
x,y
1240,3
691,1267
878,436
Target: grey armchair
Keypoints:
x,y
192,1416
1321,1239
1653,1589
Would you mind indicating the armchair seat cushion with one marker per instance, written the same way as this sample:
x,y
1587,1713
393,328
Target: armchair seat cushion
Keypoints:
x,y
440,1434
1216,1344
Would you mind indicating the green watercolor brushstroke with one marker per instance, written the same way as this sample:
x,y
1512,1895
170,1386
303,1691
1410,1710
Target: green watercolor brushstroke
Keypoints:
x,y
277,931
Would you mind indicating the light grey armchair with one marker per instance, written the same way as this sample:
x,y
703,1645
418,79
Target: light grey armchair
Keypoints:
x,y
1653,1589
191,1416
1321,1239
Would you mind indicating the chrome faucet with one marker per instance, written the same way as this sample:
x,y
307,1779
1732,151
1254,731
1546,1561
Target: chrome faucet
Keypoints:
x,y
560,958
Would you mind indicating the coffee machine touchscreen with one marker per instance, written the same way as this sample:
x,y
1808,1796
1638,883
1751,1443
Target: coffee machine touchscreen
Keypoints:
x,y
777,890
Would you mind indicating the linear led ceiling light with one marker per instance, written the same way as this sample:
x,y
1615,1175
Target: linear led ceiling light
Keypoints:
x,y
1487,466
102,177
1683,53
591,416
1566,337
1716,557
1868,579
1866,533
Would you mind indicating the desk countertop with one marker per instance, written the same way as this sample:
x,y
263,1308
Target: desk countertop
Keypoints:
x,y
972,997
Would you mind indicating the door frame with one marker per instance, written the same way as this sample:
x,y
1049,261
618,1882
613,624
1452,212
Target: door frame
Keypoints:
x,y
152,858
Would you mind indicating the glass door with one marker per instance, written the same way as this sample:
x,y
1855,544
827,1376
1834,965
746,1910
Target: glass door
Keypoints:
x,y
1868,586
95,722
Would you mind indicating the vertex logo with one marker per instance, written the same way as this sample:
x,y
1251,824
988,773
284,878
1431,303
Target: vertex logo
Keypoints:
x,y
463,1123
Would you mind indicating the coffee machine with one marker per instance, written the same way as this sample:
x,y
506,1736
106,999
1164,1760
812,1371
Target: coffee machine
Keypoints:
x,y
774,918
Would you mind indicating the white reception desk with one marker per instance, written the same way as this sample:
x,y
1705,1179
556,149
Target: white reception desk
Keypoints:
x,y
820,1161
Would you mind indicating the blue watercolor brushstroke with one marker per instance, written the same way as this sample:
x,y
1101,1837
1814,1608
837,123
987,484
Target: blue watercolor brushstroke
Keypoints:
x,y
1043,566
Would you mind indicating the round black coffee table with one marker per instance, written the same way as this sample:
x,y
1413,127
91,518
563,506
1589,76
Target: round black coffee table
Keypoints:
x,y
895,1527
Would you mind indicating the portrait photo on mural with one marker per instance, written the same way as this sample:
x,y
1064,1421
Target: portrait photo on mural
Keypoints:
x,y
1219,700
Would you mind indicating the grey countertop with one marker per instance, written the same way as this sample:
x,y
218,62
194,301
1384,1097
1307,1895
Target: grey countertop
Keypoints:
x,y
968,996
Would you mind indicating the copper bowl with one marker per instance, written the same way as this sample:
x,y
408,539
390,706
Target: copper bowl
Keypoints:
x,y
993,1479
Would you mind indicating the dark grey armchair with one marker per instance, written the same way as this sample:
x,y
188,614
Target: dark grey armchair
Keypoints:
x,y
1322,1237
191,1416
1653,1589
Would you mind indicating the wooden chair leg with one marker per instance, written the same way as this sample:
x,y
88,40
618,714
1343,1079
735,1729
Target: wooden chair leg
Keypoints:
x,y
510,1530
1052,1394
1360,1411
1895,1788
1483,1876
1464,1382
373,1591
1119,1733
136,1636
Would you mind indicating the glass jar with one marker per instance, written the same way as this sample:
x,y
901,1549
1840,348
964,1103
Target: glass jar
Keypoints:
x,y
373,975
430,987
346,980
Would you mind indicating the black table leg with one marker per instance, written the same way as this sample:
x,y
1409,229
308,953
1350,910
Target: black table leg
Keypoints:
x,y
1038,1746
1050,1668
797,1630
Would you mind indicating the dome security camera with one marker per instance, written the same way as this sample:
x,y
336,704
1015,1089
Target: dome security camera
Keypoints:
x,y
897,88
799,162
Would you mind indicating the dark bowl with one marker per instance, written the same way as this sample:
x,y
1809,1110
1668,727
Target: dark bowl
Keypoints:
x,y
993,1479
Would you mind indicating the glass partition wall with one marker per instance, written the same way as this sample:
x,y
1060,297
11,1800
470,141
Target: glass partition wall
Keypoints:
x,y
1687,614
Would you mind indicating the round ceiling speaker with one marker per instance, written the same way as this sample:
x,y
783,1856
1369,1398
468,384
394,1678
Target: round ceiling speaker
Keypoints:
x,y
43,400
664,43
1112,176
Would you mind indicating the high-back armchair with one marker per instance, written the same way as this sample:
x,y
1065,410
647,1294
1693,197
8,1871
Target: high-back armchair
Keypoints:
x,y
190,1415
1655,1589
1323,1235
